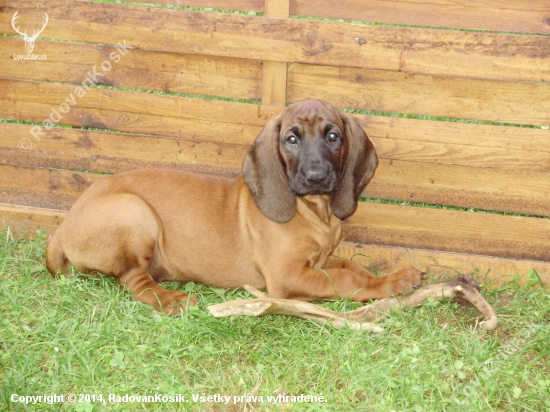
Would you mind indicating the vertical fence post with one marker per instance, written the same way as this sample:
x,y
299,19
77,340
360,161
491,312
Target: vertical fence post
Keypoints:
x,y
275,73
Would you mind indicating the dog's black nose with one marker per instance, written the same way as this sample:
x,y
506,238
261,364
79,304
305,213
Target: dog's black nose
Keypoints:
x,y
316,176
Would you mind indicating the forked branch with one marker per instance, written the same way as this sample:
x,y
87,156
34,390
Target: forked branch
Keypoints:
x,y
462,287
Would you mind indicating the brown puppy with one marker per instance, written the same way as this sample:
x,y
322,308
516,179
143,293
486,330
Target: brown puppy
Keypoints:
x,y
275,226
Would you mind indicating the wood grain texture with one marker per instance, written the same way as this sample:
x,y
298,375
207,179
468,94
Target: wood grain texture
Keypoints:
x,y
412,50
44,188
452,231
274,83
133,112
457,133
24,221
277,8
138,69
178,127
470,187
73,149
530,16
464,155
385,91
275,72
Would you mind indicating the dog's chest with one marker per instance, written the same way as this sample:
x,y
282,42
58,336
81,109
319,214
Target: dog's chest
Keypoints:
x,y
323,228
328,237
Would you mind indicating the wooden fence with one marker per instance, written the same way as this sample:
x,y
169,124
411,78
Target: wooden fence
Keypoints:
x,y
442,106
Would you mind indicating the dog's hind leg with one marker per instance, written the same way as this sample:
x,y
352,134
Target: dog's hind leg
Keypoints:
x,y
116,235
146,290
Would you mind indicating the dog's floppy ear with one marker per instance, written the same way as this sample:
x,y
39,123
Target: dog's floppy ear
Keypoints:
x,y
265,176
360,162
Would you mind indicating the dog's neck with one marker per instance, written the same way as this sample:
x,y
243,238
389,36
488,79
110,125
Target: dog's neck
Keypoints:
x,y
318,204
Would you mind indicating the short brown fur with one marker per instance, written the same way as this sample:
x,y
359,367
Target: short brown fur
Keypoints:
x,y
149,226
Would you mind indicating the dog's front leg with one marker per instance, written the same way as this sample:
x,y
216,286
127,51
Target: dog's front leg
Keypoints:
x,y
401,282
341,278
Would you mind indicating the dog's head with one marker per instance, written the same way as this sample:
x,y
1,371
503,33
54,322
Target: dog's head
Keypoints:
x,y
311,148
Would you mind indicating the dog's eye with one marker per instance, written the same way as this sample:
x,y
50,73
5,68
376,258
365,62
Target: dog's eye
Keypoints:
x,y
332,136
292,139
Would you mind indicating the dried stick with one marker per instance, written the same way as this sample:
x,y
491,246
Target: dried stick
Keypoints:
x,y
462,286
266,305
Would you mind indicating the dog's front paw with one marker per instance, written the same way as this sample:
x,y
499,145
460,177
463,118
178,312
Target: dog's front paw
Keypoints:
x,y
405,281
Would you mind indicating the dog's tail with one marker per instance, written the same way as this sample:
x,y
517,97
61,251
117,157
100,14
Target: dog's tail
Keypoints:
x,y
56,261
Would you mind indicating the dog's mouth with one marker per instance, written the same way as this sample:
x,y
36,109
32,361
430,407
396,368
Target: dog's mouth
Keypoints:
x,y
300,186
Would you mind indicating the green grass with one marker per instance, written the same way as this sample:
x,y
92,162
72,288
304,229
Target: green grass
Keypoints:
x,y
83,335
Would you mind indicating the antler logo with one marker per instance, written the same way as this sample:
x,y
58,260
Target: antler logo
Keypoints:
x,y
29,40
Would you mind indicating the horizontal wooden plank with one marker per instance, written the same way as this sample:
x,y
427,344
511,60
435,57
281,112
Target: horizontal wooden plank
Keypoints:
x,y
448,230
460,164
491,271
489,100
140,69
25,221
471,187
133,111
412,50
531,16
44,188
464,155
77,96
458,133
74,149
134,122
